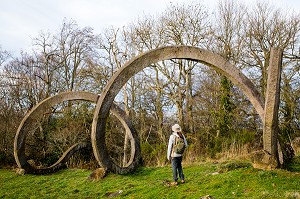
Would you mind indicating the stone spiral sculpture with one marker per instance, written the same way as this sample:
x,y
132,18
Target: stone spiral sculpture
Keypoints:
x,y
144,60
105,104
37,113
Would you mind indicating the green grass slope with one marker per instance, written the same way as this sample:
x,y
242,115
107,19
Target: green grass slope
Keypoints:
x,y
226,180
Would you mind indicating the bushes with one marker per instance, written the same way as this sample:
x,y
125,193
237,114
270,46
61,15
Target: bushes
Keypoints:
x,y
154,155
6,159
60,130
208,145
202,146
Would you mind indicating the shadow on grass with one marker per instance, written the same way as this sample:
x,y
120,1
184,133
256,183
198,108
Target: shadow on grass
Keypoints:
x,y
294,165
142,171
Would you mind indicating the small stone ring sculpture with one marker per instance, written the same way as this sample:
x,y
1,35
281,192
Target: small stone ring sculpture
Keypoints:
x,y
37,113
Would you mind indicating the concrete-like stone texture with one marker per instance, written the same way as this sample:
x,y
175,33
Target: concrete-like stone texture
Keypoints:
x,y
37,113
97,174
144,60
267,111
270,125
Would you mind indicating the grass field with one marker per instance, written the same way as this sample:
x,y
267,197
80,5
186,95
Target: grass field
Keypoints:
x,y
220,180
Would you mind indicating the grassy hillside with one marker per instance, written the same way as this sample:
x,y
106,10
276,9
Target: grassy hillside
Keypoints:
x,y
220,180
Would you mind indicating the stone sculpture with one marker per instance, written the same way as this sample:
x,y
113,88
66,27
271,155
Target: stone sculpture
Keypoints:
x,y
36,114
180,52
105,104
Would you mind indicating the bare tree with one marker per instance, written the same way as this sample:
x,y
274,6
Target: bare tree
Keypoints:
x,y
178,25
229,42
45,52
4,55
74,46
267,28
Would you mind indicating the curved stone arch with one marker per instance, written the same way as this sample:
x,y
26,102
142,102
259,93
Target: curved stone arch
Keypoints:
x,y
35,115
144,60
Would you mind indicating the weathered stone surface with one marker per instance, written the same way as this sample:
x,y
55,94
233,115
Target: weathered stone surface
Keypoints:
x,y
261,160
144,60
97,174
114,194
207,197
101,151
267,111
270,125
20,171
37,113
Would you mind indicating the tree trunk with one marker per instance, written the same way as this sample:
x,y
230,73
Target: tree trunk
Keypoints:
x,y
159,108
189,116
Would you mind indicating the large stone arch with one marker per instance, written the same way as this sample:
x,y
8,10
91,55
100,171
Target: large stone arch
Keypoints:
x,y
144,60
36,114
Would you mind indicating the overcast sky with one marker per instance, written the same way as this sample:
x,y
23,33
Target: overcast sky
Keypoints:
x,y
22,20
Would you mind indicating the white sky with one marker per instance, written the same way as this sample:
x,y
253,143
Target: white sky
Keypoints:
x,y
22,20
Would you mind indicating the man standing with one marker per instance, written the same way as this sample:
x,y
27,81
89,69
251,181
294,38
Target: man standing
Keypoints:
x,y
177,143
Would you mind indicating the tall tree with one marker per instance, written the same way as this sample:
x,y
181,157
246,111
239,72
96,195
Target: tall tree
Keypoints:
x,y
229,43
74,46
185,25
267,28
